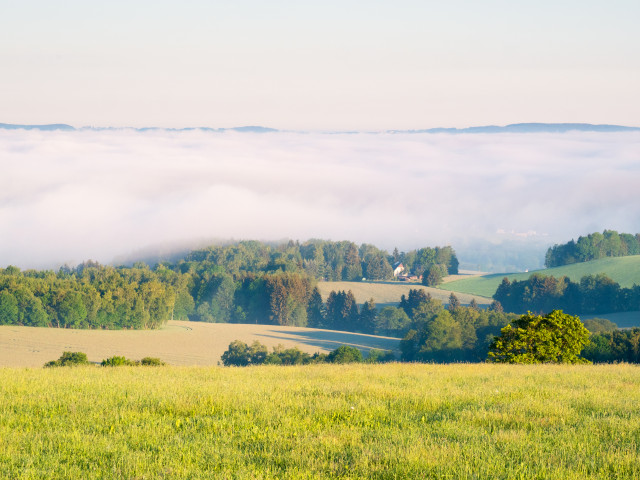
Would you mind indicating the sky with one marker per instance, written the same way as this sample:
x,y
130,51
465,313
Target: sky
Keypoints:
x,y
331,65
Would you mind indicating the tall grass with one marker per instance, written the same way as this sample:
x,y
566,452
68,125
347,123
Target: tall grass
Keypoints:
x,y
321,421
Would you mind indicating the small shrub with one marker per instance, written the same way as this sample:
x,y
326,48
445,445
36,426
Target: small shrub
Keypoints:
x,y
319,358
117,361
152,362
288,356
273,359
237,355
380,356
345,354
69,359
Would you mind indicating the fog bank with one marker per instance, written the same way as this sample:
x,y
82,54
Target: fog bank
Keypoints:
x,y
71,196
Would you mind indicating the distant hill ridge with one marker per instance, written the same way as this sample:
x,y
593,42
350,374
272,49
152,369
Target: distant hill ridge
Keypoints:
x,y
529,128
55,126
512,128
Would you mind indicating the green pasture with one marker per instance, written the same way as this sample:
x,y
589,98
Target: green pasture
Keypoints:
x,y
624,270
460,421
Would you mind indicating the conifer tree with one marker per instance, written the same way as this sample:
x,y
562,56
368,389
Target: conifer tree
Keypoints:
x,y
316,310
454,303
368,316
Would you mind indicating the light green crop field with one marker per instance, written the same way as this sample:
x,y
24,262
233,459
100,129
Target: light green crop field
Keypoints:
x,y
360,421
624,270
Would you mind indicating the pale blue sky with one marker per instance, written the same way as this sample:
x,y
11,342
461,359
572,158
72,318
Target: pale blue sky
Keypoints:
x,y
319,65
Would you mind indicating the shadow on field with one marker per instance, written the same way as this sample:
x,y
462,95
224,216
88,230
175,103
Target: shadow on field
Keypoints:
x,y
331,340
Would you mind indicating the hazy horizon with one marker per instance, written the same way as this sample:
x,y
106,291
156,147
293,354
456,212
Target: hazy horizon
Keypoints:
x,y
266,128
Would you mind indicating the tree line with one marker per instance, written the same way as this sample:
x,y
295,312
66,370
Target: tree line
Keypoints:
x,y
239,354
592,294
454,335
592,247
614,346
561,338
89,296
246,282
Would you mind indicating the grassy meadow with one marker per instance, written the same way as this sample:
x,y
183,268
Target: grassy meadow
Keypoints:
x,y
459,421
624,270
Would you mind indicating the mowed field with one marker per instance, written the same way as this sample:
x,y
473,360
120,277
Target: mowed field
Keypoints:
x,y
624,270
389,293
404,421
179,343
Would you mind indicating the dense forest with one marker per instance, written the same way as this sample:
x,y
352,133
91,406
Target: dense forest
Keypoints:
x,y
592,247
89,296
593,294
246,282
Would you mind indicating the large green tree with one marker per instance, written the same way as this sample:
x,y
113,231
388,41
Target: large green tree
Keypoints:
x,y
368,317
444,339
552,338
392,322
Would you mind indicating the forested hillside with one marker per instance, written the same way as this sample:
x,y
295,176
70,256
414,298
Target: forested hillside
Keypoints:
x,y
246,282
592,247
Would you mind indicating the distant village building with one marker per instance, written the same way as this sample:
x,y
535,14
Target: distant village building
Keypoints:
x,y
398,268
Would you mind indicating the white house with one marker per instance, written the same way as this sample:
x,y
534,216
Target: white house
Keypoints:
x,y
398,268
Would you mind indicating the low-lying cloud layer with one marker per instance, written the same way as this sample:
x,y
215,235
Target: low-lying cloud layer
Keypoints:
x,y
70,196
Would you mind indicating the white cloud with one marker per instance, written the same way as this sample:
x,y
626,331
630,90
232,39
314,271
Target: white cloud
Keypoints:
x,y
70,196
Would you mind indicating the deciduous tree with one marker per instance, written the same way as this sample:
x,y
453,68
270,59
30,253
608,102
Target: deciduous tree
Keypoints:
x,y
552,338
